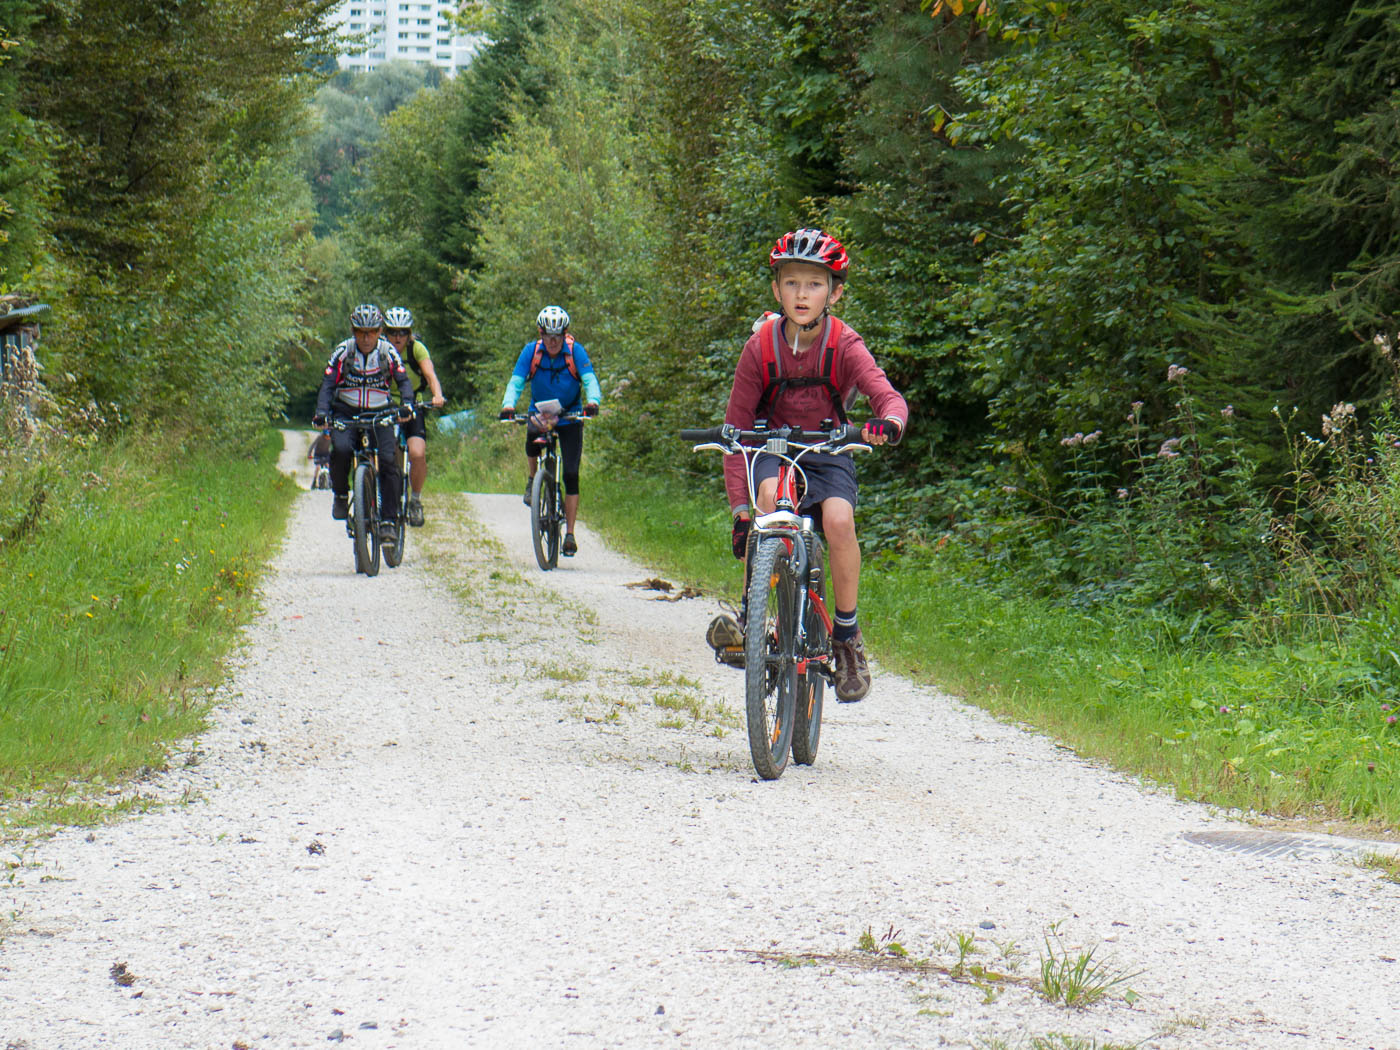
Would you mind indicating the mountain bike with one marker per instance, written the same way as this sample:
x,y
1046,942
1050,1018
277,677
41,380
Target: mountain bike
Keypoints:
x,y
787,625
362,519
547,492
321,476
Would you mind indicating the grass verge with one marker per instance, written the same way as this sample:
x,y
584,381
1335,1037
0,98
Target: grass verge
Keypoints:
x,y
117,607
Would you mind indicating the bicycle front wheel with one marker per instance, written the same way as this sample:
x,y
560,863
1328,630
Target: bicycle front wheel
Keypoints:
x,y
366,521
770,659
544,528
807,725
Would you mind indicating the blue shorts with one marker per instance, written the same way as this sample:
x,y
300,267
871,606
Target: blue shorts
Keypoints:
x,y
829,474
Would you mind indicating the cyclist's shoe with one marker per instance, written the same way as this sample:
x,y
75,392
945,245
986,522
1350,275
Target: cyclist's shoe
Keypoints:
x,y
852,670
570,547
726,637
415,511
529,484
340,507
387,532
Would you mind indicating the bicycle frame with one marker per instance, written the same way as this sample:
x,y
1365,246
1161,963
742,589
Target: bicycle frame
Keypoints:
x,y
784,521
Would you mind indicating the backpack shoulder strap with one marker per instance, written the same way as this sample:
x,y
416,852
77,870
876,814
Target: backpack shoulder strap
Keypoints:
x,y
535,361
569,354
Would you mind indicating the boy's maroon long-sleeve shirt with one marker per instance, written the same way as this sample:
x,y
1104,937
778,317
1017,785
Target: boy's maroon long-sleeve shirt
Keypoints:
x,y
808,406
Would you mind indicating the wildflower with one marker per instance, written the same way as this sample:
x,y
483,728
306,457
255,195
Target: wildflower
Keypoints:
x,y
1091,439
1385,707
1168,449
1008,488
1224,709
1228,412
1122,493
1390,720
1073,441
1175,372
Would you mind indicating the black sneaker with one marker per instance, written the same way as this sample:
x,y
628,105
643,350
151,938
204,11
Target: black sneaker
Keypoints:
x,y
340,507
529,484
570,548
387,533
415,511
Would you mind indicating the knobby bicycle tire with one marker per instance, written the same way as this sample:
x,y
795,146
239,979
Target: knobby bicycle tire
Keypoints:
x,y
366,521
393,552
544,525
807,718
770,662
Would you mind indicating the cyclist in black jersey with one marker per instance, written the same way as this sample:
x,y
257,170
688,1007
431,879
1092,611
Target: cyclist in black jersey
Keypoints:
x,y
359,376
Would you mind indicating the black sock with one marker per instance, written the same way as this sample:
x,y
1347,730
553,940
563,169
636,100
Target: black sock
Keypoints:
x,y
844,626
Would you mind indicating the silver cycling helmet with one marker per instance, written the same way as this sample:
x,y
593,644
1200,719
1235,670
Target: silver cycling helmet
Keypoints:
x,y
366,315
398,317
553,320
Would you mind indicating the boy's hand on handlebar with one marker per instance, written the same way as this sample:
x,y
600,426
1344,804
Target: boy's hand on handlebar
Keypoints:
x,y
506,414
879,431
590,409
739,537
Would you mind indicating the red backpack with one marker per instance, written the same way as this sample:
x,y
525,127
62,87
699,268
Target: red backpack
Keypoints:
x,y
568,357
775,383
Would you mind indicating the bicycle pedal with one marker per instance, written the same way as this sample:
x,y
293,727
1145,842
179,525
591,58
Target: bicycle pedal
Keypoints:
x,y
730,656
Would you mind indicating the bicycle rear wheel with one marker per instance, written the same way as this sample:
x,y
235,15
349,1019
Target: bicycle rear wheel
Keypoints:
x,y
807,721
366,521
544,530
770,662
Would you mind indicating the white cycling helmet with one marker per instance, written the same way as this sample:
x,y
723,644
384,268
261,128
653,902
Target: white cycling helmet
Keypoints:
x,y
398,317
366,315
553,320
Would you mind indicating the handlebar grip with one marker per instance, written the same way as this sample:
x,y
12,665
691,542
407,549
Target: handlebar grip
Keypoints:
x,y
707,434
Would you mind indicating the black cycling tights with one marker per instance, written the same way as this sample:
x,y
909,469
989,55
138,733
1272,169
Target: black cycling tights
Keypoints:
x,y
570,448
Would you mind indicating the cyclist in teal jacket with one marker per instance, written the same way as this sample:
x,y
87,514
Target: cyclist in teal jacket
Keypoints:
x,y
557,368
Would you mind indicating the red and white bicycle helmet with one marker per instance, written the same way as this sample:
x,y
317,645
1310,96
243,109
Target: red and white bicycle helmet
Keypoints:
x,y
811,246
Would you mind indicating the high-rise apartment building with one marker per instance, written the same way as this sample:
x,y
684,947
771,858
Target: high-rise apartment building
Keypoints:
x,y
405,30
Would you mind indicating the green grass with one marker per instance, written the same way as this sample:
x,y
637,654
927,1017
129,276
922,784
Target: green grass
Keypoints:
x,y
117,607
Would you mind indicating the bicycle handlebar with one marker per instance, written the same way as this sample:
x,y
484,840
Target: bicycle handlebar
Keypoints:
x,y
377,418
524,417
729,434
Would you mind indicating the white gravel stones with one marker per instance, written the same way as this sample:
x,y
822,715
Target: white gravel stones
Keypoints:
x,y
469,804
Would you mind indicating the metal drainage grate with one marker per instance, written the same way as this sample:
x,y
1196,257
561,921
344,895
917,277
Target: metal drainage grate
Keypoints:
x,y
1282,844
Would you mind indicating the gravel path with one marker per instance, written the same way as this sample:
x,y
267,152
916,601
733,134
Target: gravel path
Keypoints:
x,y
468,804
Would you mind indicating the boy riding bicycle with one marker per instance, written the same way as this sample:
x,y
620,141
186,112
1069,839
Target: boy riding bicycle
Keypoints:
x,y
359,376
798,369
556,368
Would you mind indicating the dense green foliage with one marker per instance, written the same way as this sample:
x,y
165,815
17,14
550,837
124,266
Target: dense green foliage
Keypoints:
x,y
166,217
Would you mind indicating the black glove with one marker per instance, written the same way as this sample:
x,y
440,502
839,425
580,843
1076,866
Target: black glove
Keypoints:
x,y
506,413
590,409
407,412
739,537
886,427
319,422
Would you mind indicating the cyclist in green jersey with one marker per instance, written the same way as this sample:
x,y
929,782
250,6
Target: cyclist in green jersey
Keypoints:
x,y
398,329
